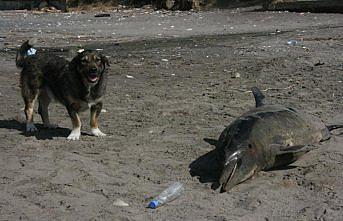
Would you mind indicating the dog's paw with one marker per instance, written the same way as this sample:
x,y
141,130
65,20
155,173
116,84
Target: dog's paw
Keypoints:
x,y
96,132
50,126
74,135
30,127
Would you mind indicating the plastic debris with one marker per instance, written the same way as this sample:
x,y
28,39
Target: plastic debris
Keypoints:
x,y
31,51
129,76
292,42
168,195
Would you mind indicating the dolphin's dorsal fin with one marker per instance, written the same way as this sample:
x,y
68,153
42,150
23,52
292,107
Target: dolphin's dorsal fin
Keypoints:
x,y
259,97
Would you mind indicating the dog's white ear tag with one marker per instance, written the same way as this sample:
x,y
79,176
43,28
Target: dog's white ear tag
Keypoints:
x,y
31,51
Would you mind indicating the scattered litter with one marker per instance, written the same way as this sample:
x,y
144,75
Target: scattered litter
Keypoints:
x,y
129,76
102,15
237,75
103,111
99,49
163,59
80,50
31,51
292,42
189,29
167,195
172,74
119,202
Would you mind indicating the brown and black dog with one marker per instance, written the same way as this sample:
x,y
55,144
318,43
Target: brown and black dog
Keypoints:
x,y
79,85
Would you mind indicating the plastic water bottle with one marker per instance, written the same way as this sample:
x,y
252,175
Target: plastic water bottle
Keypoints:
x,y
168,195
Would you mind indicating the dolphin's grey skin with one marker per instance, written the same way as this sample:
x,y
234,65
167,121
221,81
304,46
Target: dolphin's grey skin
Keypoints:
x,y
265,137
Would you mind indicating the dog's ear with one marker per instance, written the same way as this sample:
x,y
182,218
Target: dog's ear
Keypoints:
x,y
74,63
105,60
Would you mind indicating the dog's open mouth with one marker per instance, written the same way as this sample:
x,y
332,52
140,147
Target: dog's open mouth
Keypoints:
x,y
92,77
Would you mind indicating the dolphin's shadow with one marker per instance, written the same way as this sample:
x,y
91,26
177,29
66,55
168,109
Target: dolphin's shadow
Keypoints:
x,y
287,167
42,133
206,168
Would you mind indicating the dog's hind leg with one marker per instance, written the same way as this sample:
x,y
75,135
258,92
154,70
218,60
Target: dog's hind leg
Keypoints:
x,y
29,96
95,112
44,101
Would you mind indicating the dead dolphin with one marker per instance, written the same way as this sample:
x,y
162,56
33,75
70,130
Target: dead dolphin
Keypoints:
x,y
266,137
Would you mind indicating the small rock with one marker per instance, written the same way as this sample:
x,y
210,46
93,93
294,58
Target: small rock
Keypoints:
x,y
119,202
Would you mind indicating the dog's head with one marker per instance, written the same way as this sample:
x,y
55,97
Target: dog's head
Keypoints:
x,y
90,65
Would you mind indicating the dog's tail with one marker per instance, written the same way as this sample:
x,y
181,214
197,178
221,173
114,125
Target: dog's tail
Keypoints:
x,y
22,53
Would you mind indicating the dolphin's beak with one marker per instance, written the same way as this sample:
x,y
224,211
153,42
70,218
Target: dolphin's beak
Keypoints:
x,y
227,174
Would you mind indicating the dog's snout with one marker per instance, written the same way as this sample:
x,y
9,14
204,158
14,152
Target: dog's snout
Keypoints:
x,y
94,70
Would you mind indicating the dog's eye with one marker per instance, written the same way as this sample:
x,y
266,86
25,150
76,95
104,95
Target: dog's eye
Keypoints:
x,y
84,60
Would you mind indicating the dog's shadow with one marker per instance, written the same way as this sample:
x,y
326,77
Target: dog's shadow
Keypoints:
x,y
206,168
42,133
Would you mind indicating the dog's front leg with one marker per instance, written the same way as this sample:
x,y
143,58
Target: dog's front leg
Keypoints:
x,y
75,119
95,112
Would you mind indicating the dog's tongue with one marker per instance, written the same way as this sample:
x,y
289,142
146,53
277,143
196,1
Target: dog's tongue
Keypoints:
x,y
93,78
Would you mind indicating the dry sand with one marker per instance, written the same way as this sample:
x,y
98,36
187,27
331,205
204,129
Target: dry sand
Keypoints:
x,y
183,90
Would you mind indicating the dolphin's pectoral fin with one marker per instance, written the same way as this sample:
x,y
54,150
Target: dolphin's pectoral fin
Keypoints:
x,y
286,155
211,141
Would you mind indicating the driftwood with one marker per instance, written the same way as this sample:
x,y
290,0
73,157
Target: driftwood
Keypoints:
x,y
306,5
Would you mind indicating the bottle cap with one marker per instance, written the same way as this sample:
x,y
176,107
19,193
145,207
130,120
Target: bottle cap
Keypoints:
x,y
153,204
